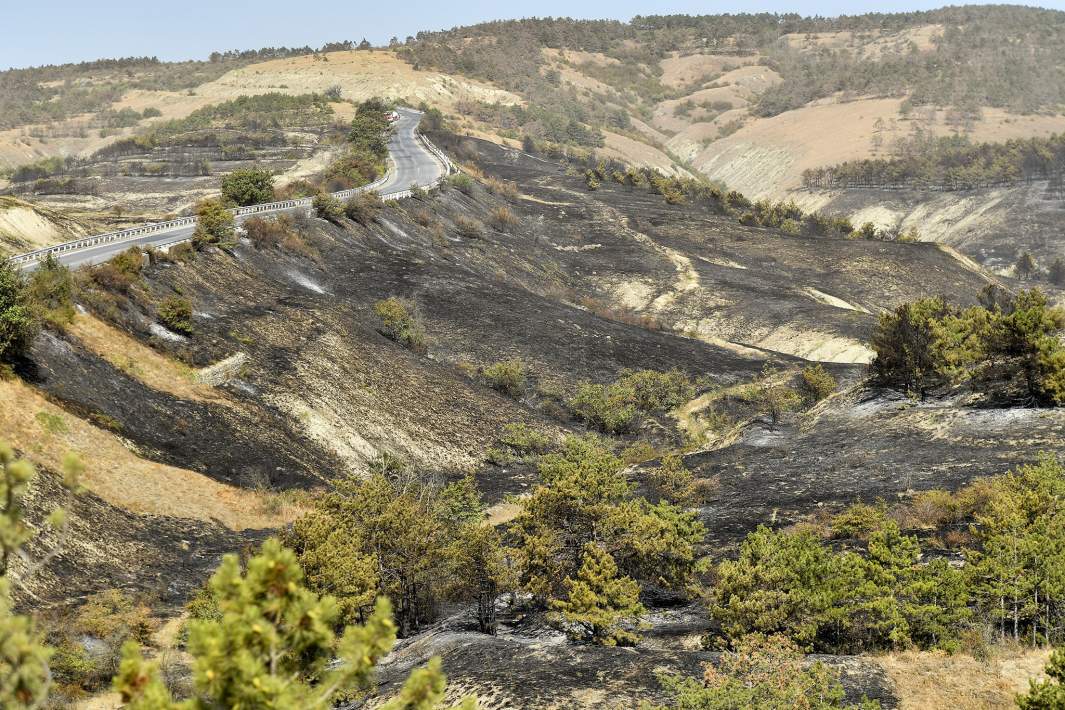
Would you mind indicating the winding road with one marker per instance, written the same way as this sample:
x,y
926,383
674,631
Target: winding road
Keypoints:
x,y
414,162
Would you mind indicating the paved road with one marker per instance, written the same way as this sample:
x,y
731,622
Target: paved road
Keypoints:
x,y
412,164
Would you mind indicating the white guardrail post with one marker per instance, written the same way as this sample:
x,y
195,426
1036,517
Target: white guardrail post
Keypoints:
x,y
126,235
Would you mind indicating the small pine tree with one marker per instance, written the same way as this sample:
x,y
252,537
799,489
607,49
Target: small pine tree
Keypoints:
x,y
274,647
24,675
599,601
1025,266
1056,273
1047,694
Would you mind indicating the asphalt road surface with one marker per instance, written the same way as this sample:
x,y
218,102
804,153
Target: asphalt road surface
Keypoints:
x,y
412,164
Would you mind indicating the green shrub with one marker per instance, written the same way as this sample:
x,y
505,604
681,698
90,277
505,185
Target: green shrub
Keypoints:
x,y
507,376
249,186
402,322
214,223
671,481
524,440
608,408
51,291
327,207
817,383
461,182
18,326
176,314
762,672
654,391
130,262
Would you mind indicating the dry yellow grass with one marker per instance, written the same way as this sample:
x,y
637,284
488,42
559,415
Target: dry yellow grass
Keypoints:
x,y
936,681
45,433
680,71
141,362
359,74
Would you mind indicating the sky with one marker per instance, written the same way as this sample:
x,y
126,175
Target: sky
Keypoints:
x,y
60,31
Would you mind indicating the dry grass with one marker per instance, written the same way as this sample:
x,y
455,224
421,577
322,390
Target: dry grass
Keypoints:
x,y
141,362
502,219
936,681
117,475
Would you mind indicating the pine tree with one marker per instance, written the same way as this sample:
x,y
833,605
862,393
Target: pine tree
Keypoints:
x,y
1047,694
598,601
274,647
24,674
1025,266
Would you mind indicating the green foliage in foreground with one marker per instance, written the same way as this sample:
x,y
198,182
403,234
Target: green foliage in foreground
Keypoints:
x,y
1047,694
585,506
883,591
274,646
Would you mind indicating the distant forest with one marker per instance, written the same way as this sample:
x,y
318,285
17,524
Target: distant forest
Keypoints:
x,y
1001,56
950,163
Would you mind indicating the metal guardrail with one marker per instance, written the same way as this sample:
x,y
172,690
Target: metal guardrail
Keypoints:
x,y
126,235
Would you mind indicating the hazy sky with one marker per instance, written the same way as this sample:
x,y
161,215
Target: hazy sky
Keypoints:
x,y
59,31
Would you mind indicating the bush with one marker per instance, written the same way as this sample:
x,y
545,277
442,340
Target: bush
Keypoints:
x,y
402,322
461,182
267,232
363,207
182,252
762,672
51,291
151,112
468,227
525,440
817,383
327,207
504,188
771,397
671,481
250,186
654,391
507,376
176,314
214,223
605,407
18,326
502,219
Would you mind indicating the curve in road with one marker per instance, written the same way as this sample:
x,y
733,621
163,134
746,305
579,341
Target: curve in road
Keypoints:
x,y
413,163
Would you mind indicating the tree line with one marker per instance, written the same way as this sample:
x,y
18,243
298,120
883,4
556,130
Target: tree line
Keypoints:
x,y
950,163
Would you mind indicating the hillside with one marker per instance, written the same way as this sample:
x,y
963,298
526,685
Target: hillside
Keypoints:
x,y
751,101
628,408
